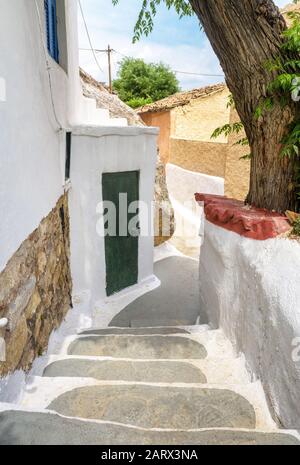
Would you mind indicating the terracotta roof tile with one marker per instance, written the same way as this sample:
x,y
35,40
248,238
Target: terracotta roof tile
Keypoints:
x,y
181,99
289,8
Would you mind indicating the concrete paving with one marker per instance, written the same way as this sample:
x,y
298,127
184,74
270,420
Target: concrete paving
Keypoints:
x,y
174,303
158,407
138,371
138,347
24,428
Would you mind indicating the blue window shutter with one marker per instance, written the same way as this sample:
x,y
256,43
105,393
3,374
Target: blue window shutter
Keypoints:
x,y
51,28
46,2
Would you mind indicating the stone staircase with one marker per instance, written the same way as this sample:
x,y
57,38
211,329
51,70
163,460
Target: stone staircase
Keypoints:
x,y
122,386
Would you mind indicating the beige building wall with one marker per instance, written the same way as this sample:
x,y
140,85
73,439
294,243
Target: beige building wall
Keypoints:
x,y
162,120
197,120
237,175
185,140
202,157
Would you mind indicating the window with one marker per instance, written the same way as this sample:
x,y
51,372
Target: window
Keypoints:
x,y
68,155
51,29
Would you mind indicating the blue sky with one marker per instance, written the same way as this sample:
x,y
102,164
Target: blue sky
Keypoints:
x,y
178,43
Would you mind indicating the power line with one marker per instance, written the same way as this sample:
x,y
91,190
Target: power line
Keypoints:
x,y
109,52
199,74
89,37
122,54
181,72
176,71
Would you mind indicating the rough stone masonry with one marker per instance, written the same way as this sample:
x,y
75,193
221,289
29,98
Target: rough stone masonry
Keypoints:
x,y
35,289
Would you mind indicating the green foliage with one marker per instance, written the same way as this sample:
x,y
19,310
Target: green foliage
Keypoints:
x,y
234,128
291,141
248,156
231,102
266,104
286,82
243,142
140,83
282,89
227,130
145,22
138,102
296,227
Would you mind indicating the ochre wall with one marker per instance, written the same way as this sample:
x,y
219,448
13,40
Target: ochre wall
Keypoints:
x,y
202,157
237,173
197,120
163,121
185,140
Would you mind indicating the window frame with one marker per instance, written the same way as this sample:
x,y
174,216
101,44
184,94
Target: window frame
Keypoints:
x,y
52,29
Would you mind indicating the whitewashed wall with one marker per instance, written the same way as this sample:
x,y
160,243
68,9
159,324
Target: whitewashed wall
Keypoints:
x,y
96,151
182,186
37,106
31,146
251,289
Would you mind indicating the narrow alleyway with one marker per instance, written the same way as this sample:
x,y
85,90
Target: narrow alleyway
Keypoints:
x,y
153,377
166,305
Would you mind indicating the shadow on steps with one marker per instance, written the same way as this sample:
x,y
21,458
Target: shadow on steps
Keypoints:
x,y
175,303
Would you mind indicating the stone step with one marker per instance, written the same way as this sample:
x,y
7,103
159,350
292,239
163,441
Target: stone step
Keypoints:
x,y
121,370
198,345
138,347
148,406
154,322
45,428
159,331
213,371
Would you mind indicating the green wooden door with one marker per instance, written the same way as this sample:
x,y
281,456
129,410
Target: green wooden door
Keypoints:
x,y
121,249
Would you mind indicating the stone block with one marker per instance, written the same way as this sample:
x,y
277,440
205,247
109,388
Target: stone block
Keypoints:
x,y
17,307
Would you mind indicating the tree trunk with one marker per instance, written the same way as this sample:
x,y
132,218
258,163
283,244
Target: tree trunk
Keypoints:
x,y
244,36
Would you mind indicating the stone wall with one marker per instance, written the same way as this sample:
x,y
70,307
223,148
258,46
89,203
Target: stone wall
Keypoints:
x,y
164,212
35,289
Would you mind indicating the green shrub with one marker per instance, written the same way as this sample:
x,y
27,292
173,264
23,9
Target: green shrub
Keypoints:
x,y
296,227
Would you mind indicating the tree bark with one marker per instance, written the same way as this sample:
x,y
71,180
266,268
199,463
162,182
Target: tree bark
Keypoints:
x,y
245,35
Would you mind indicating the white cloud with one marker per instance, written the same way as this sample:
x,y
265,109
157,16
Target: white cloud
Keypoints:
x,y
282,3
115,25
110,28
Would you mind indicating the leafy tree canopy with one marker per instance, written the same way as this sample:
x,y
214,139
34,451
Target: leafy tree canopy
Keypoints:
x,y
140,83
148,10
269,105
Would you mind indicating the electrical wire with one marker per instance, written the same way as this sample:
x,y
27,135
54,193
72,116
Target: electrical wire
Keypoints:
x,y
181,72
176,71
89,37
199,74
48,68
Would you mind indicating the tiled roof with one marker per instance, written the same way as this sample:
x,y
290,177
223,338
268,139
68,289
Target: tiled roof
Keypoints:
x,y
289,8
181,99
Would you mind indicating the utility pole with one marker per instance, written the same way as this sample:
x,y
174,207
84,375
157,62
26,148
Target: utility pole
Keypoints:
x,y
109,51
